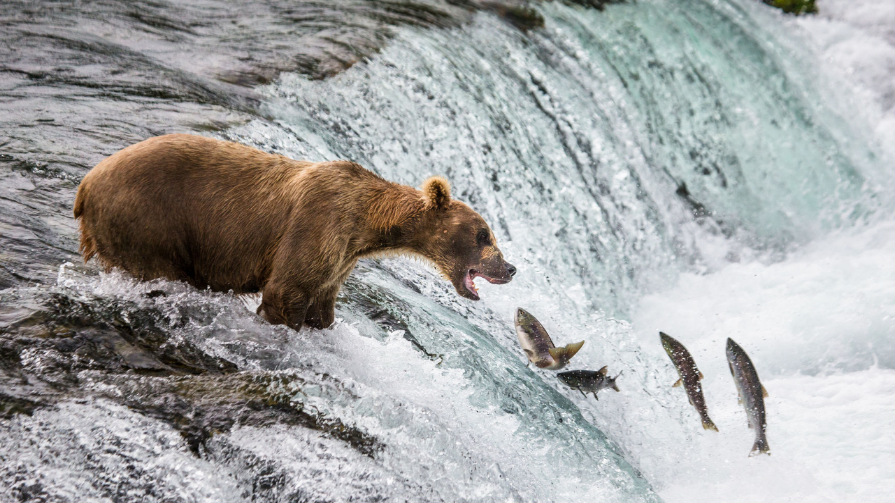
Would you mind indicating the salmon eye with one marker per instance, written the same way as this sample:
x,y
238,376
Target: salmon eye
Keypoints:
x,y
483,238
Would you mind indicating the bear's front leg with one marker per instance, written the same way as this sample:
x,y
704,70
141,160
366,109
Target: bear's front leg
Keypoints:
x,y
322,312
280,307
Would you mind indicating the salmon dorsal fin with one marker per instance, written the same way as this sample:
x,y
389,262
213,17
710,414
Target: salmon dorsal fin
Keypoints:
x,y
701,376
604,370
764,392
677,383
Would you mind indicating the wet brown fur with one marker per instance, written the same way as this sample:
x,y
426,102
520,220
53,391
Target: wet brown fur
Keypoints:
x,y
226,216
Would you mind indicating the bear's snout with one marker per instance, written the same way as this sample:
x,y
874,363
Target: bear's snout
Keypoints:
x,y
497,274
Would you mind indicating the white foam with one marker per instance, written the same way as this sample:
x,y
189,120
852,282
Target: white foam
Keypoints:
x,y
98,451
828,309
829,306
830,440
855,43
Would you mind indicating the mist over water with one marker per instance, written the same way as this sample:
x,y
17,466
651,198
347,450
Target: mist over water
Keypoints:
x,y
686,166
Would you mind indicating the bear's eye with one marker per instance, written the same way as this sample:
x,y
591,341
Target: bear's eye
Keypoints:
x,y
483,238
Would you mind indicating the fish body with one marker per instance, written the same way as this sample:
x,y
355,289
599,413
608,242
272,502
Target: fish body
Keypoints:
x,y
589,381
752,394
538,346
689,377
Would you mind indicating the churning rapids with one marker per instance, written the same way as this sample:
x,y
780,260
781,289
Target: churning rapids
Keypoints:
x,y
708,168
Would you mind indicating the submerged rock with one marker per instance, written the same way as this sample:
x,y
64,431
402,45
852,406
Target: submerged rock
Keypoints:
x,y
596,4
202,406
522,17
796,7
60,348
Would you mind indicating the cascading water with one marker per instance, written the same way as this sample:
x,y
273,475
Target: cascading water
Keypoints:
x,y
641,165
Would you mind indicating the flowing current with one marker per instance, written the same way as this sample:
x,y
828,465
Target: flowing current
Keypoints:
x,y
705,168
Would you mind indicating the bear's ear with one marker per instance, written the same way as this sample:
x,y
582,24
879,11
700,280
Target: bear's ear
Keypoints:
x,y
437,191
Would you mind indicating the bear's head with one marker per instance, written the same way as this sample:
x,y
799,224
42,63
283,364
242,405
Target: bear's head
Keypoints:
x,y
459,242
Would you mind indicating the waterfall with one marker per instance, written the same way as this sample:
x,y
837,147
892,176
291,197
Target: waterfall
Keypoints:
x,y
657,165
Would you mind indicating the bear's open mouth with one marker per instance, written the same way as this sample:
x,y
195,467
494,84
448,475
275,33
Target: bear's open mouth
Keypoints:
x,y
470,285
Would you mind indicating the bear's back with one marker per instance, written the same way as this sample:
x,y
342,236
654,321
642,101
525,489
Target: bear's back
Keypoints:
x,y
188,207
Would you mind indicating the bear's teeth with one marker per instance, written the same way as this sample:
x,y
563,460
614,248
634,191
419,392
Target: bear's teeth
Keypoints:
x,y
470,283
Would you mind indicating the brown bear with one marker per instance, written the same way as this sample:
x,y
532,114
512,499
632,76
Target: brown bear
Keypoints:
x,y
226,216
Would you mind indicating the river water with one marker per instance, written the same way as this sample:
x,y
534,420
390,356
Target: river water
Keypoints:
x,y
710,169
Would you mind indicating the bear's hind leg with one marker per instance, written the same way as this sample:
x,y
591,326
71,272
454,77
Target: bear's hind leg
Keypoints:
x,y
322,312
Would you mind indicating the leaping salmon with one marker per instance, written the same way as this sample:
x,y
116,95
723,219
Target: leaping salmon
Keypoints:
x,y
538,346
752,395
689,377
588,381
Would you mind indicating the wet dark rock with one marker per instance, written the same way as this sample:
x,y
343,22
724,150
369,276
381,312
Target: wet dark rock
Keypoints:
x,y
136,338
596,4
50,353
44,347
11,405
523,17
202,406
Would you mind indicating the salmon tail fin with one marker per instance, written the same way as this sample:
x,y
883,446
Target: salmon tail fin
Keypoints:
x,y
567,352
761,447
573,348
615,386
707,424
